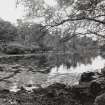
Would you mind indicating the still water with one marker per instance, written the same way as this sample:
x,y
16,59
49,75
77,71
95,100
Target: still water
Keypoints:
x,y
72,75
62,74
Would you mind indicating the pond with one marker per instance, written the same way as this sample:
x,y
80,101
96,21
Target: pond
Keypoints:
x,y
46,70
72,75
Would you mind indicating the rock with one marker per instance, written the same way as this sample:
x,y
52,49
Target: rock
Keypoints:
x,y
97,86
81,93
88,76
100,100
80,90
51,94
57,86
103,71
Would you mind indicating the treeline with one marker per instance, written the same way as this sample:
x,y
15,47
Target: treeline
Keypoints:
x,y
28,37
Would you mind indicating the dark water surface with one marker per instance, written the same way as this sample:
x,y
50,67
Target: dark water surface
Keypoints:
x,y
43,70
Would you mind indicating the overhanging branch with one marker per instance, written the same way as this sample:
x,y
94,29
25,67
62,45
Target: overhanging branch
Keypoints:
x,y
97,34
76,19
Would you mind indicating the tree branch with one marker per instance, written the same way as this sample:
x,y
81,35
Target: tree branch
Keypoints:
x,y
97,34
77,19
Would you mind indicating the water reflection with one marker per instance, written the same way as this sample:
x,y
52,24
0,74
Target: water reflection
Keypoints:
x,y
70,59
61,74
71,75
97,64
47,69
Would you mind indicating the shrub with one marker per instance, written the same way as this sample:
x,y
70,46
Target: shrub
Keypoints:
x,y
14,49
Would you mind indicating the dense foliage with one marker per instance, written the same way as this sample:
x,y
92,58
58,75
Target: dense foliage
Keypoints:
x,y
72,15
8,32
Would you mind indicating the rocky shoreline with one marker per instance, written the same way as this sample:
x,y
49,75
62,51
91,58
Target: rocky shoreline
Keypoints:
x,y
89,91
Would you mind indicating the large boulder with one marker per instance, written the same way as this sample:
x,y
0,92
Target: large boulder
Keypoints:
x,y
97,86
100,100
87,77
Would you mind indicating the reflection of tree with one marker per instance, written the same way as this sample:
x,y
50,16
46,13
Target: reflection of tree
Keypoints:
x,y
42,61
78,54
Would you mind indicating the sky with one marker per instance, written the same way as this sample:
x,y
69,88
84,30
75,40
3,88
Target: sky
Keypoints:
x,y
51,2
9,12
